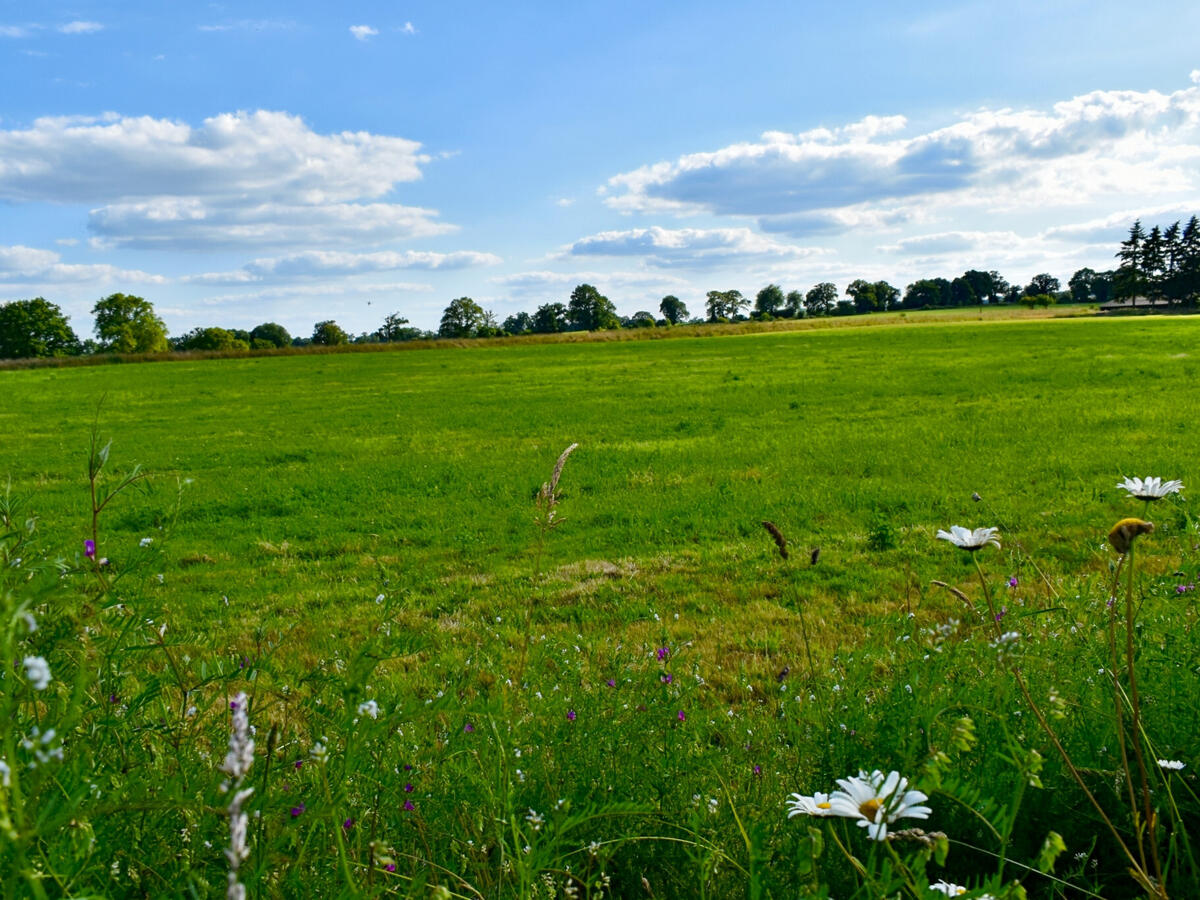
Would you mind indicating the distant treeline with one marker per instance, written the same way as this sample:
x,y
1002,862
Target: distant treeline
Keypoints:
x,y
1156,268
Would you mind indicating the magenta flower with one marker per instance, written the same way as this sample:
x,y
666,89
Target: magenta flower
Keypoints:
x,y
663,653
667,679
391,867
1012,582
89,549
571,715
612,682
680,716
408,805
298,811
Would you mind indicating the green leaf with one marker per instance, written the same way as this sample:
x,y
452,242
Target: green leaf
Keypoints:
x,y
1051,848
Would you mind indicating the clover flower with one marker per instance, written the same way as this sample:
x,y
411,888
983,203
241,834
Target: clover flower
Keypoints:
x,y
369,708
877,801
37,670
970,540
89,548
1150,489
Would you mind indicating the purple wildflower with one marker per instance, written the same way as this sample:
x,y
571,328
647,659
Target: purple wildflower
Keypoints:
x,y
663,653
408,767
612,682
408,805
391,867
347,825
112,698
1003,612
298,811
1012,582
667,678
571,715
298,763
680,716
757,769
468,728
408,789
89,549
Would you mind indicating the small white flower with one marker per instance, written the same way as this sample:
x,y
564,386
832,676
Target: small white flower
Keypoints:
x,y
535,819
816,805
1173,765
950,890
318,752
146,542
970,540
30,622
1150,488
369,708
37,670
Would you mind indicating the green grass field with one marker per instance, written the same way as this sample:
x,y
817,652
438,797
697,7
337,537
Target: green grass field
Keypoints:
x,y
316,485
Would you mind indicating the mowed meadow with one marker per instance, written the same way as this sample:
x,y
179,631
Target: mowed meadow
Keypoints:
x,y
449,699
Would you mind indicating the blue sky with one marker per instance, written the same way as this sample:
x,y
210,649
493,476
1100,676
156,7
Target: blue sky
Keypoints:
x,y
292,162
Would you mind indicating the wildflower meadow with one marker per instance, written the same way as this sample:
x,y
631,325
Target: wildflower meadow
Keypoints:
x,y
893,612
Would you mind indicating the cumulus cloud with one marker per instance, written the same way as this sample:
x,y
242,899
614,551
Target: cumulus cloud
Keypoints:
x,y
1110,230
78,27
325,263
30,265
687,246
1104,141
247,178
363,32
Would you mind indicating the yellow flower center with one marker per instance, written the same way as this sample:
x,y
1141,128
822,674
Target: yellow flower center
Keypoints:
x,y
824,806
871,808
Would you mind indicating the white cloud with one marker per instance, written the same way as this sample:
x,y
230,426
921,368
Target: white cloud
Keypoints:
x,y
325,263
1110,230
1127,143
248,178
1195,76
955,242
407,28
189,223
32,266
363,32
250,25
538,282
688,246
14,31
78,27
328,289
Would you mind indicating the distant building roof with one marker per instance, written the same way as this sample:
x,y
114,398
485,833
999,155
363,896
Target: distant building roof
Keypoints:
x,y
1132,303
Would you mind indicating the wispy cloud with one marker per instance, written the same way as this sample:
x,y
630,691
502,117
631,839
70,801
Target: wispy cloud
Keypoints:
x,y
664,247
16,31
407,28
250,25
326,263
363,32
80,27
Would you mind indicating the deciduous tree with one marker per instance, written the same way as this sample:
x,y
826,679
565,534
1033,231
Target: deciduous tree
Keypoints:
x,y
34,328
128,324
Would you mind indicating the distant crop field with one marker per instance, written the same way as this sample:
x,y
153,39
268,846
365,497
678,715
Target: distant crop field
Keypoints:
x,y
302,508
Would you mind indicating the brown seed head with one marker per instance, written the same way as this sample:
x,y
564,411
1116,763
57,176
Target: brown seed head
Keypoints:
x,y
780,540
1123,533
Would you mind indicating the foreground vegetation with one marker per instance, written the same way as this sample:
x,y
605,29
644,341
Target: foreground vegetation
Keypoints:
x,y
451,695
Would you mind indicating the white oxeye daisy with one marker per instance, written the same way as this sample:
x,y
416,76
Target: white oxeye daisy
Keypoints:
x,y
948,888
877,801
816,805
1150,488
970,540
1173,765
